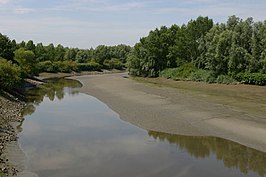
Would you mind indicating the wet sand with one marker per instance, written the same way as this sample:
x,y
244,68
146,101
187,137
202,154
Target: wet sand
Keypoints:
x,y
237,113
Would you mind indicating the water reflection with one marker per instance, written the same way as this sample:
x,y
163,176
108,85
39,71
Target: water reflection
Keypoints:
x,y
54,88
232,154
67,133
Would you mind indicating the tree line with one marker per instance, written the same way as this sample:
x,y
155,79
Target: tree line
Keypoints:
x,y
26,59
202,50
199,50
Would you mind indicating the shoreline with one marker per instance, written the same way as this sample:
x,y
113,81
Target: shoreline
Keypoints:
x,y
181,108
190,111
11,109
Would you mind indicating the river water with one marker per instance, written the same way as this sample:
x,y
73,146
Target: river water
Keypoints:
x,y
71,134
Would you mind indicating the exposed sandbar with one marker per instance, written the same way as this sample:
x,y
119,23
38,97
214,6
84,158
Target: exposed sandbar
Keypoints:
x,y
237,113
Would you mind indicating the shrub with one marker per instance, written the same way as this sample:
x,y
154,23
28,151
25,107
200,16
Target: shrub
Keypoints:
x,y
91,66
65,66
202,75
251,78
59,66
114,63
181,73
224,79
26,60
9,74
46,66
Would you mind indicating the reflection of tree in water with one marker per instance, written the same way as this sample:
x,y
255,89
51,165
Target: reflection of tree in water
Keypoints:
x,y
234,155
55,88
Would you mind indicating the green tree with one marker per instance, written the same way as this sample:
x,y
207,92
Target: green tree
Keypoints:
x,y
59,53
82,56
50,52
179,53
195,30
238,60
6,48
136,61
113,63
232,22
101,53
22,44
219,64
26,61
120,52
70,54
40,52
9,74
30,46
256,48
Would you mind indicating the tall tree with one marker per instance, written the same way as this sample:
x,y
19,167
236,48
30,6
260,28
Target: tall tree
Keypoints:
x,y
30,45
82,56
6,48
50,52
40,52
70,54
26,60
102,53
59,52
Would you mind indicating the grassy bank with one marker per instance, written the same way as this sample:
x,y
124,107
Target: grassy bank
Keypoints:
x,y
239,96
188,72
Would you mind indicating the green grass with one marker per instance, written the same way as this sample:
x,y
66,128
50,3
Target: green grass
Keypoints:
x,y
188,72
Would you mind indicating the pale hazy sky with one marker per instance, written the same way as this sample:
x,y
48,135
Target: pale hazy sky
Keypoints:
x,y
88,23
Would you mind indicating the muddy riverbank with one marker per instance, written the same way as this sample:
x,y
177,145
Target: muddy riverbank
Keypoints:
x,y
10,113
194,110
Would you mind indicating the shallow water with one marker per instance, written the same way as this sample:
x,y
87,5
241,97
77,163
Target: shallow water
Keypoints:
x,y
70,134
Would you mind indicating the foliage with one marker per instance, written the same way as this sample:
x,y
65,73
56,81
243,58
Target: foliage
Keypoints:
x,y
251,78
46,66
58,66
65,66
190,72
9,74
181,73
26,60
82,56
113,63
224,50
168,47
202,75
6,48
90,66
225,79
200,50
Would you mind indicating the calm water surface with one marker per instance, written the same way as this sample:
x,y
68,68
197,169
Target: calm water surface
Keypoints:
x,y
70,134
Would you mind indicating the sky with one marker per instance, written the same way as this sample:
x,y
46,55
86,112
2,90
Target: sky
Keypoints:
x,y
89,23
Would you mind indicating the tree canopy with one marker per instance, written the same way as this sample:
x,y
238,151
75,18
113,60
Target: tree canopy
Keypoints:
x,y
237,46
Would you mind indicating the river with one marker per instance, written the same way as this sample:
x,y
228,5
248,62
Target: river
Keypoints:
x,y
71,134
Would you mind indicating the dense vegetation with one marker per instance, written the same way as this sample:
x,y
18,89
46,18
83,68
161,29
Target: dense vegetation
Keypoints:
x,y
199,50
26,59
204,51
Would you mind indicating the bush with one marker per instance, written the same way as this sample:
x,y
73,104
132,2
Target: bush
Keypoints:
x,y
59,66
91,66
251,78
46,66
202,75
114,63
9,75
181,73
65,66
224,79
